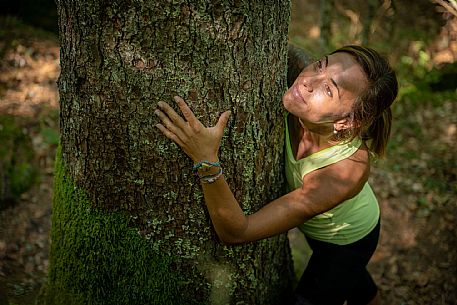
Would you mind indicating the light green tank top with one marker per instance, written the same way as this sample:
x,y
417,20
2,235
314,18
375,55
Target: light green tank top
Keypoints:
x,y
350,220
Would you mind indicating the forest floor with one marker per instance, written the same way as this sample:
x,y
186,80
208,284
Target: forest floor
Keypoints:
x,y
416,260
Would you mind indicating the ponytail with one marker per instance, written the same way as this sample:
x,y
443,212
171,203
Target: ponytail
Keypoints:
x,y
379,132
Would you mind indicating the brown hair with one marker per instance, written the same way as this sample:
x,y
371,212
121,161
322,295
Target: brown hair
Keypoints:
x,y
371,112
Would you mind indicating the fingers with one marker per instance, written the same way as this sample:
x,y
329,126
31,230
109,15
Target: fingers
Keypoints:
x,y
174,117
187,112
170,125
184,129
222,122
170,134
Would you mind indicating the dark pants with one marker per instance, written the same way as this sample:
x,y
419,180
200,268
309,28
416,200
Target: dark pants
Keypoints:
x,y
336,273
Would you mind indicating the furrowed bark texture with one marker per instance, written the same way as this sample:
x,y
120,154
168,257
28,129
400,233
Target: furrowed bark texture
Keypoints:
x,y
129,215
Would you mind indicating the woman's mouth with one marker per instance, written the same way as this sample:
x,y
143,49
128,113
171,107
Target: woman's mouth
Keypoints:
x,y
296,93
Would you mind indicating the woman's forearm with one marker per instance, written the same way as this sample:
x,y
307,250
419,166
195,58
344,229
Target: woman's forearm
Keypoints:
x,y
228,218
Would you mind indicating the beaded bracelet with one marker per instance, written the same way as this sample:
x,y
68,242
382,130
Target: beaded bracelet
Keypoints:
x,y
211,178
206,165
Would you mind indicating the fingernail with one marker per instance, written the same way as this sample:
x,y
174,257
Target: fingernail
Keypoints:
x,y
156,112
160,104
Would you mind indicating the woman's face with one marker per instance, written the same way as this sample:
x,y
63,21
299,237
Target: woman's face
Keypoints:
x,y
324,92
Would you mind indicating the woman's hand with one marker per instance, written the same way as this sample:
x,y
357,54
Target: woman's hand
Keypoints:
x,y
198,142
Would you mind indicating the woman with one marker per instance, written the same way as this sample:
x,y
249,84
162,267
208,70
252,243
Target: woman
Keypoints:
x,y
338,115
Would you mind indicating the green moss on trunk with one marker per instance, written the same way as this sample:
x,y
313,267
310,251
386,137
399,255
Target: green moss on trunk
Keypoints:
x,y
96,258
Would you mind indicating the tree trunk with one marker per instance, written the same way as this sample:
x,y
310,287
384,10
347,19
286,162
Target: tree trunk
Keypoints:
x,y
129,223
325,24
367,21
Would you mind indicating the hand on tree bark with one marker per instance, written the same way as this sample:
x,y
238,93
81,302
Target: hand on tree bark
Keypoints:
x,y
200,143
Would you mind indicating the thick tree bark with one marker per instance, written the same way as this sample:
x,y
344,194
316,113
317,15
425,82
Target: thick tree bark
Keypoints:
x,y
129,222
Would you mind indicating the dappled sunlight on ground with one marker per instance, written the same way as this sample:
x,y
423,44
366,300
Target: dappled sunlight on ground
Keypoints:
x,y
29,74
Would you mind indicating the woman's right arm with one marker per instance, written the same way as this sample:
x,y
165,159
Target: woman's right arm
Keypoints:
x,y
322,189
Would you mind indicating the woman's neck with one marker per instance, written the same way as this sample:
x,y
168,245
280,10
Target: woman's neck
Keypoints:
x,y
305,142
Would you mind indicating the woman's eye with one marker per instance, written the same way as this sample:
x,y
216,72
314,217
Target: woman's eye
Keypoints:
x,y
318,66
328,91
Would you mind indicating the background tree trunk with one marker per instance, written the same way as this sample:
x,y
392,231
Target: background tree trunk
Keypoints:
x,y
325,24
367,20
129,221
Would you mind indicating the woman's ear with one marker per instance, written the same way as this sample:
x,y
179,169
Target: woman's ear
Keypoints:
x,y
343,124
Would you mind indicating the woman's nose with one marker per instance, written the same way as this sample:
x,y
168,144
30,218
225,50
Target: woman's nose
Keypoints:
x,y
308,83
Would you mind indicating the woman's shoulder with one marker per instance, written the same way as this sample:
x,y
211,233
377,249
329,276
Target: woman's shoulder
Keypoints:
x,y
348,175
359,162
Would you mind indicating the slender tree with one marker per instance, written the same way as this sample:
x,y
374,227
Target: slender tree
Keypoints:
x,y
325,24
367,20
129,224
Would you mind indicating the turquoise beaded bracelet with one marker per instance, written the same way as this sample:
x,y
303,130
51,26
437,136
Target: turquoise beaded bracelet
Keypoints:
x,y
206,165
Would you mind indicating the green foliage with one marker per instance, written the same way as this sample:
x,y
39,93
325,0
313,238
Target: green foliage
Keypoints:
x,y
17,172
50,135
49,126
422,81
422,135
96,258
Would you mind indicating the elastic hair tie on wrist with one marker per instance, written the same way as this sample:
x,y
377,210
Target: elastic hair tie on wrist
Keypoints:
x,y
212,178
